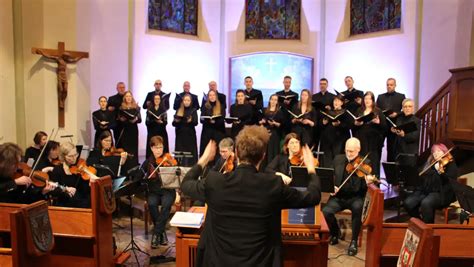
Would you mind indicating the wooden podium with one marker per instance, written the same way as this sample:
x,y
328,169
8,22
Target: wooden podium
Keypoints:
x,y
303,244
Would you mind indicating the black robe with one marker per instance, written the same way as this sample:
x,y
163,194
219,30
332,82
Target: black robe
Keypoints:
x,y
179,98
186,134
222,98
32,153
273,147
409,144
155,128
115,101
304,131
102,115
371,137
129,139
287,117
244,113
82,198
150,99
255,94
243,220
392,101
350,104
333,138
214,131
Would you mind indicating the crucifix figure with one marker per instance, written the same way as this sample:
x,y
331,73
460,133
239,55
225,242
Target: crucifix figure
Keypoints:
x,y
62,57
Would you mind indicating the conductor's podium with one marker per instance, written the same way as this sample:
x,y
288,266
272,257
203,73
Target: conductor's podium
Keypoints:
x,y
303,244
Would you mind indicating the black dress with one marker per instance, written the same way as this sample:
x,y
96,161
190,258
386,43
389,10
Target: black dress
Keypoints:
x,y
244,112
286,128
371,137
186,134
155,128
82,198
150,98
333,138
305,131
179,98
255,94
105,116
129,138
32,153
214,131
115,101
273,148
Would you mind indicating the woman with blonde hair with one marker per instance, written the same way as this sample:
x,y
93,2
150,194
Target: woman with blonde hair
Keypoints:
x,y
303,118
212,119
185,122
129,116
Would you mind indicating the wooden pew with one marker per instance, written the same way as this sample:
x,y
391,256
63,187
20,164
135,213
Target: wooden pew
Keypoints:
x,y
31,236
384,241
83,237
303,245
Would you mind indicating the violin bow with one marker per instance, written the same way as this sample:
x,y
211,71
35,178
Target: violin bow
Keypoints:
x,y
434,162
41,153
356,168
157,168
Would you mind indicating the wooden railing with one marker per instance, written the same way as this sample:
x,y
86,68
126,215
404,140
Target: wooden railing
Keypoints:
x,y
434,116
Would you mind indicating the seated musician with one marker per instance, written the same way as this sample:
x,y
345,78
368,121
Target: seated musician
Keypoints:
x,y
76,191
292,156
157,194
50,157
348,196
34,151
103,149
243,224
436,191
226,150
15,184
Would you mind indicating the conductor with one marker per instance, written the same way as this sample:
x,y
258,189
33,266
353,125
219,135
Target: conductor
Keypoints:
x,y
243,221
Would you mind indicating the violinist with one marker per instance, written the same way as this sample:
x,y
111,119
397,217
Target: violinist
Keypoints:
x,y
371,134
227,161
436,191
129,116
103,119
34,151
156,121
272,118
292,156
307,118
105,149
242,110
185,122
15,183
157,194
348,196
407,143
213,124
50,157
77,190
334,133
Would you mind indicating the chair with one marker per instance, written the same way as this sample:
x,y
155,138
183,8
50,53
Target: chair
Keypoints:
x,y
455,205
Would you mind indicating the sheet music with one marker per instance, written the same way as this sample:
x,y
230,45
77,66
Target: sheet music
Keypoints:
x,y
187,219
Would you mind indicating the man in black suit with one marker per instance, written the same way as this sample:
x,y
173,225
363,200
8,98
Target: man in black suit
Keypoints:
x,y
113,104
149,97
222,98
353,96
348,196
287,99
179,97
391,104
243,220
254,97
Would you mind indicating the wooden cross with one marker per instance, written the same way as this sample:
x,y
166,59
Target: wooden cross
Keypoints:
x,y
62,57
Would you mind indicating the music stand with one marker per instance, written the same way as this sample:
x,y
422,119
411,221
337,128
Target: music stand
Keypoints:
x,y
171,177
300,178
408,177
465,196
181,157
129,190
391,172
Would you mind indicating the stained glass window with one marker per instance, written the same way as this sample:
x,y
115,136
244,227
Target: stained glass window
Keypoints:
x,y
173,15
375,15
273,19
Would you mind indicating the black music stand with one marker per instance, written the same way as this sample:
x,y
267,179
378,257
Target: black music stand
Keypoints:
x,y
129,190
300,178
182,158
465,197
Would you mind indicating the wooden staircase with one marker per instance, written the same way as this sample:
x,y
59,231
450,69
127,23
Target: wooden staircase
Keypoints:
x,y
448,116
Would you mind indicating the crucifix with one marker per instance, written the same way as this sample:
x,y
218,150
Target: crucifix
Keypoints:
x,y
62,58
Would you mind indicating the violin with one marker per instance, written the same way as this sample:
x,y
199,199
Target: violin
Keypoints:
x,y
56,162
38,178
443,161
86,172
166,160
228,165
116,152
297,160
360,168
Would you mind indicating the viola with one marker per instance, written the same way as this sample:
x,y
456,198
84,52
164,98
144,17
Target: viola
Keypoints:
x,y
166,160
86,172
228,165
361,169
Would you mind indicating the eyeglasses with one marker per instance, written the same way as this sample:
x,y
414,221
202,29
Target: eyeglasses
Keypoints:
x,y
72,156
158,83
